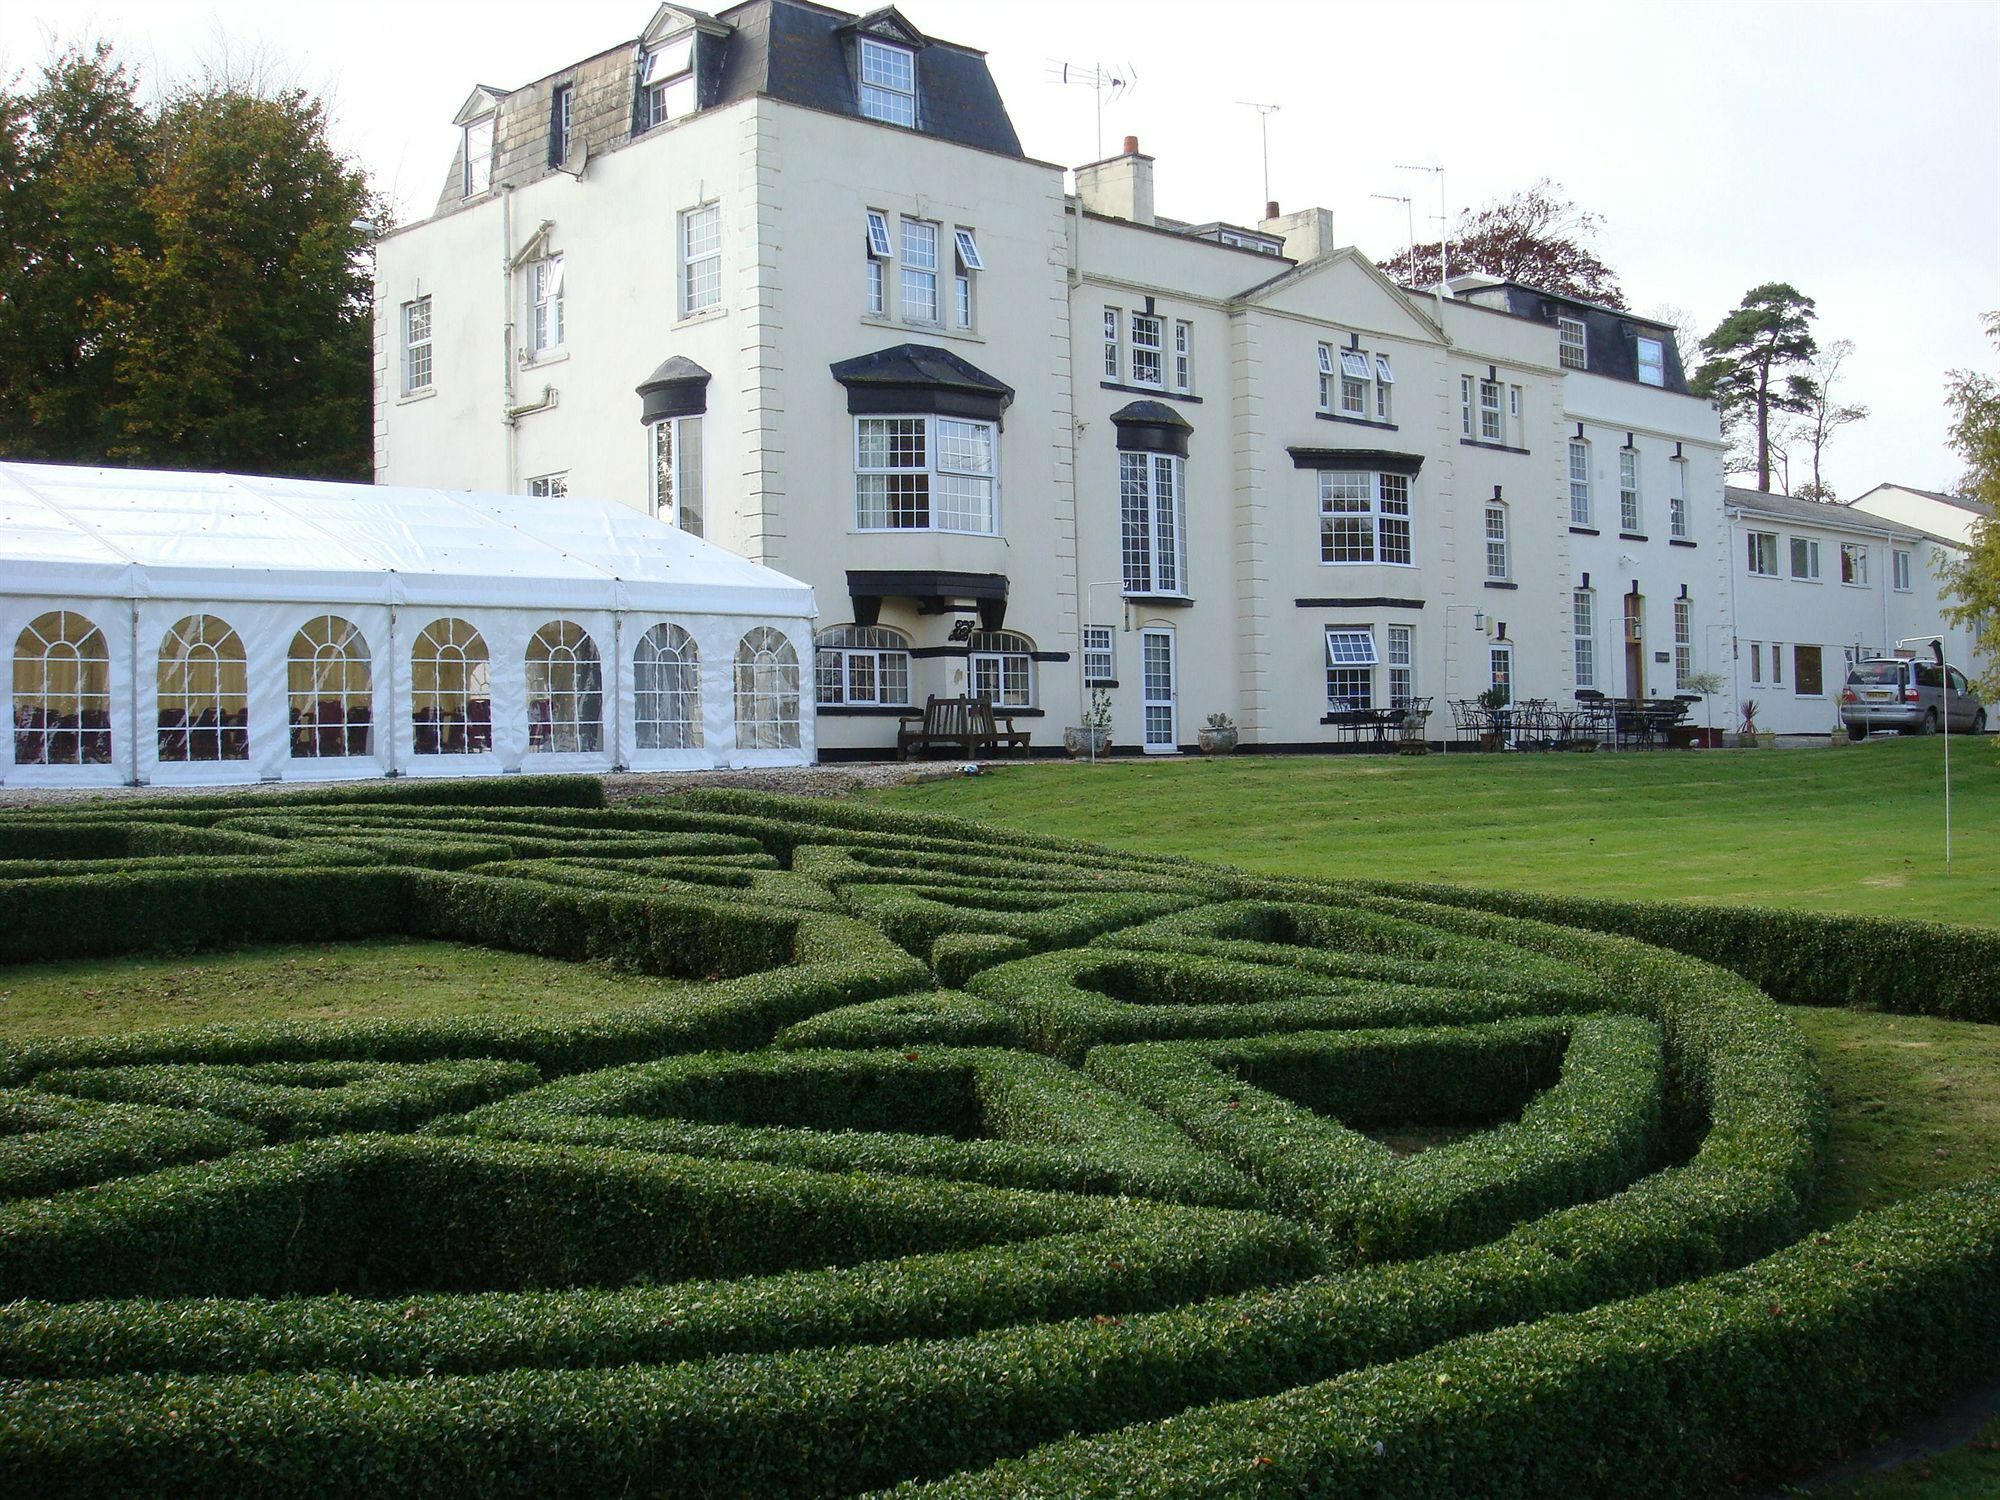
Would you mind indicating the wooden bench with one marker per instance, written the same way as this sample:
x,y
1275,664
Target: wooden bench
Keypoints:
x,y
967,726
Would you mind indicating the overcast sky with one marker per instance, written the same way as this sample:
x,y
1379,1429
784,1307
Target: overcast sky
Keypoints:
x,y
1852,149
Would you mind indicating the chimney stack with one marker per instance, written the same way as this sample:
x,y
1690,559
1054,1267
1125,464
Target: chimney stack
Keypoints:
x,y
1118,188
1271,209
1308,233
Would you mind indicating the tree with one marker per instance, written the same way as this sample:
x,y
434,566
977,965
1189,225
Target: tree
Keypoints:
x,y
1973,399
1759,363
194,285
1824,415
1537,237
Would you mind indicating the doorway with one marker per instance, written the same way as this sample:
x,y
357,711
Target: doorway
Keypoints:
x,y
1635,645
1157,686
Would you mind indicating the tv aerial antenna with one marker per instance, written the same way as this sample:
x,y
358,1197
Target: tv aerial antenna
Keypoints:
x,y
1103,80
1264,113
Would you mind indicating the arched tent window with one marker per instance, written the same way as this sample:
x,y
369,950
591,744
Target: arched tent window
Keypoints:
x,y
331,688
204,703
62,693
1002,668
666,682
767,691
867,664
565,690
451,693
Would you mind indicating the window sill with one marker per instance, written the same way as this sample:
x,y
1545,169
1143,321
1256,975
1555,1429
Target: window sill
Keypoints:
x,y
1495,583
928,330
1332,562
415,396
1100,682
1169,601
1772,576
706,315
1632,536
1585,531
1679,541
1489,447
540,361
1862,586
1330,416
1149,390
865,710
993,536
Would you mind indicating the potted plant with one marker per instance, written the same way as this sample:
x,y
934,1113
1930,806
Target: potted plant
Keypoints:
x,y
1091,738
1746,734
1218,735
1493,700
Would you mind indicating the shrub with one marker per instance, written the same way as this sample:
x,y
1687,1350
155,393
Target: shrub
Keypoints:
x,y
48,1142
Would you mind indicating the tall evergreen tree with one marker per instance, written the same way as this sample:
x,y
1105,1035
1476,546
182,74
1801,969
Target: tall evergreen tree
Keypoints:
x,y
1759,363
193,277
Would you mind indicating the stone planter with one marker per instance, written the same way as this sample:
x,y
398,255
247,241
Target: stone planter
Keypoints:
x,y
1216,741
1086,744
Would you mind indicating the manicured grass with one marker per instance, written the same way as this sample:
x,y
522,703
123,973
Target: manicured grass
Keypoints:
x,y
1916,1105
1856,829
390,979
1970,1472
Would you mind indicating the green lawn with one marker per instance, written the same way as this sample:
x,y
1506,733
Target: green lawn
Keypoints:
x,y
388,979
1856,829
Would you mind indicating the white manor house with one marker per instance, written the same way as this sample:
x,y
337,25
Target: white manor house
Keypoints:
x,y
783,277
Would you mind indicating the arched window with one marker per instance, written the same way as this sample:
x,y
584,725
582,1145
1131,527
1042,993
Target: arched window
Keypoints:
x,y
451,694
62,693
666,681
204,701
1002,668
331,689
565,690
862,664
767,691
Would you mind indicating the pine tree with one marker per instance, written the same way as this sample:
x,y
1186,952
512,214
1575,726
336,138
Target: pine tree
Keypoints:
x,y
1759,358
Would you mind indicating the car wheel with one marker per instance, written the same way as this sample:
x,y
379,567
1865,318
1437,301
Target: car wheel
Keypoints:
x,y
1929,726
1979,722
1857,731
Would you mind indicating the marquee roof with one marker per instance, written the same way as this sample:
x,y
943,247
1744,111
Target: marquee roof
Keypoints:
x,y
138,533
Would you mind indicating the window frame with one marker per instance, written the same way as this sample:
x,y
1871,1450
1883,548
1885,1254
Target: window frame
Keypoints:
x,y
708,261
1806,548
1100,654
1009,656
1583,636
1631,505
1759,562
1153,347
1351,660
658,95
1384,523
546,290
1572,353
553,485
476,176
1657,364
1854,564
845,655
1149,566
1683,642
933,469
1581,506
1677,500
1498,534
1114,344
1492,414
915,273
411,344
1183,356
668,474
1901,570
562,122
1800,659
875,95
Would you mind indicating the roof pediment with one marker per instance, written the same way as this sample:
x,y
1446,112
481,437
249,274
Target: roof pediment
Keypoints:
x,y
482,101
890,24
1295,291
672,20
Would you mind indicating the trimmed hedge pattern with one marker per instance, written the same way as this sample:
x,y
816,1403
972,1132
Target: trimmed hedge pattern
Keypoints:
x,y
932,1156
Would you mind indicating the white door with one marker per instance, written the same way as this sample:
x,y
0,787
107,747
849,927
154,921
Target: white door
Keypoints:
x,y
1157,684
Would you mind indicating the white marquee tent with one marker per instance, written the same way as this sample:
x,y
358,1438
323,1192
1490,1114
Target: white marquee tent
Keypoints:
x,y
173,628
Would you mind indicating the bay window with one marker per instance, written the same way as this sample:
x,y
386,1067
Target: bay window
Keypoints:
x,y
925,473
676,471
1364,517
1153,522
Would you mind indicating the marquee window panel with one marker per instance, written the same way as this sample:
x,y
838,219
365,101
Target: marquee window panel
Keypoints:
x,y
331,692
565,680
451,690
203,692
767,691
62,693
666,687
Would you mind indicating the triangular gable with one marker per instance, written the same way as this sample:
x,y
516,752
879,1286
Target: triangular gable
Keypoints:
x,y
672,20
890,24
482,101
1343,287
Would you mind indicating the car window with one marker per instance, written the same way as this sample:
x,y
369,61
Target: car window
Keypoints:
x,y
1958,681
1929,675
1876,674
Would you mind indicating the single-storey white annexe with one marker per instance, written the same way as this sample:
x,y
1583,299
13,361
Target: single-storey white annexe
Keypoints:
x,y
190,629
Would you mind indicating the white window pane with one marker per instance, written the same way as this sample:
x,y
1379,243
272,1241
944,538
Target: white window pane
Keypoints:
x,y
1354,364
1350,648
965,447
1325,360
968,251
669,58
878,235
1382,370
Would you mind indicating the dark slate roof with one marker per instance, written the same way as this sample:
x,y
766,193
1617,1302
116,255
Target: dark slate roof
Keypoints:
x,y
1610,333
678,367
1814,512
908,365
1151,414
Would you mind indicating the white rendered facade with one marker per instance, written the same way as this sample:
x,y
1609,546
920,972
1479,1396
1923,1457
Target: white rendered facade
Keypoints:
x,y
1031,444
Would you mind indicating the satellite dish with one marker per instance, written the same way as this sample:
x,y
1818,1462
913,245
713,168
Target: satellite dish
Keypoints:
x,y
579,157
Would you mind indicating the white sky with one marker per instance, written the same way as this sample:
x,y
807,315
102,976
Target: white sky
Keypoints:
x,y
1852,149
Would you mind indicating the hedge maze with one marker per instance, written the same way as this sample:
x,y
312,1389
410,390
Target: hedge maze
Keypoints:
x,y
932,1160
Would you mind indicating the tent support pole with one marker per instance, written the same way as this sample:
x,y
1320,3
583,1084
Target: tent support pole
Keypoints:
x,y
388,724
618,690
132,738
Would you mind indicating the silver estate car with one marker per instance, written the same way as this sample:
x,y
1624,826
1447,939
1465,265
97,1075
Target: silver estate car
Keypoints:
x,y
1909,697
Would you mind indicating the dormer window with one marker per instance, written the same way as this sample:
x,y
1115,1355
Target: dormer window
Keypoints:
x,y
666,81
888,83
478,157
1652,362
1572,343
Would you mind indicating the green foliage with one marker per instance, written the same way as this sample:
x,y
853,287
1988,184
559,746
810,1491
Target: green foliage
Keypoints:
x,y
1537,237
1759,362
785,1232
1973,398
186,285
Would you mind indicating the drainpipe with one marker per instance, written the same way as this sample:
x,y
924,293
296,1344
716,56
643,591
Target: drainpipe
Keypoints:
x,y
1730,516
507,336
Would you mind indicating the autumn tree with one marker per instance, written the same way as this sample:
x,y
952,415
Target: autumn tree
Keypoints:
x,y
1973,399
1758,365
194,288
1537,237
